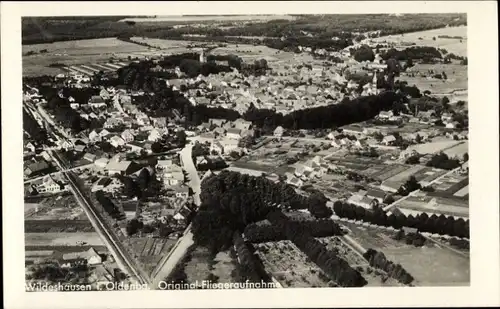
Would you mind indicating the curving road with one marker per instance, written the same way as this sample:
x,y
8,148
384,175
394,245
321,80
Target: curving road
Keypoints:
x,y
168,263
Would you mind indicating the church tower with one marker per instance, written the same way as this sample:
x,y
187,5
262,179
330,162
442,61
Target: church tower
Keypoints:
x,y
202,56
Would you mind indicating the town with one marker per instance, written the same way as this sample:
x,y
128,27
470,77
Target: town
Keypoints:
x,y
290,160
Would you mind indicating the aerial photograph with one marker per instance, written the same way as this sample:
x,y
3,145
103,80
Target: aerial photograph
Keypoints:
x,y
245,151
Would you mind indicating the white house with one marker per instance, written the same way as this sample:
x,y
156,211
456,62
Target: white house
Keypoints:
x,y
104,133
155,135
217,147
116,141
127,136
233,133
49,185
278,132
389,139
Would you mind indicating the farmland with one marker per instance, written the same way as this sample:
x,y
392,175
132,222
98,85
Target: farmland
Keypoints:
x,y
55,208
425,38
149,251
57,226
62,239
284,261
74,53
454,87
431,265
214,18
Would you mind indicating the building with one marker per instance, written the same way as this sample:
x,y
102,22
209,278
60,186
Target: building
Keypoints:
x,y
388,140
89,257
50,185
121,167
101,184
97,101
217,147
94,136
233,133
116,141
278,132
155,135
181,192
89,157
127,136
101,162
36,168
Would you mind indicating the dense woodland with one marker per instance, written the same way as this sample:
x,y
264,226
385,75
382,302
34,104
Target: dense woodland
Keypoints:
x,y
257,233
296,32
424,223
31,126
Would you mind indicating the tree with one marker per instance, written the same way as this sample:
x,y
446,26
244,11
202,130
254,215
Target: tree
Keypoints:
x,y
466,157
317,205
364,53
181,137
156,147
143,179
133,226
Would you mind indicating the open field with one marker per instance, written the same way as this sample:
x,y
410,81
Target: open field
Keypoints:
x,y
284,261
57,226
214,18
458,150
429,265
451,45
454,87
149,251
57,208
62,239
75,53
433,147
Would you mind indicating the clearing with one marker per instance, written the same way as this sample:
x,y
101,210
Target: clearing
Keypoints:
x,y
430,265
456,46
74,53
62,239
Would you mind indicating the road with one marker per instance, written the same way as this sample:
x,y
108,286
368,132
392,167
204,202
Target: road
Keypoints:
x,y
122,257
58,172
168,263
416,191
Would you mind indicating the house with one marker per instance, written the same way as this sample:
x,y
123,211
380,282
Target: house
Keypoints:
x,y
101,163
104,133
95,137
160,122
79,148
446,117
229,145
388,140
128,136
155,135
101,184
90,257
50,185
135,146
376,194
89,157
217,122
36,168
96,101
385,115
233,133
219,131
130,208
278,132
360,199
121,167
241,124
216,147
112,122
184,214
162,165
181,191
30,147
173,178
294,181
142,119
74,105
116,141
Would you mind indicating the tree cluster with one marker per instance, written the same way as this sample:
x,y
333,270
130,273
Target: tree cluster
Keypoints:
x,y
248,261
442,161
38,134
334,266
363,53
413,52
257,233
424,223
108,205
378,260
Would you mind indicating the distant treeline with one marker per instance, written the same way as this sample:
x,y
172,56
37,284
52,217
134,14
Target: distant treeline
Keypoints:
x,y
424,223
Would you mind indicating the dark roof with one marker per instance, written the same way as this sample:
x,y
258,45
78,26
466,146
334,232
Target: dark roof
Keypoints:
x,y
130,206
104,181
38,166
